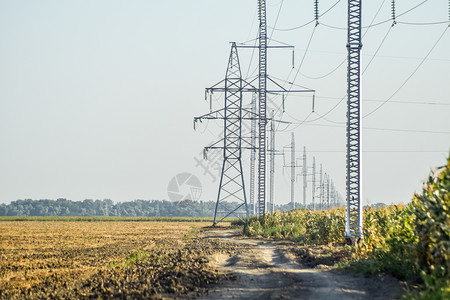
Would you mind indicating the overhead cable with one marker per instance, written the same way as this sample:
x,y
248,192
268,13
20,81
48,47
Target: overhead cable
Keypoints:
x,y
410,76
307,23
379,23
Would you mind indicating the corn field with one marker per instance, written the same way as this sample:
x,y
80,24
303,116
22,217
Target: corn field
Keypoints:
x,y
411,242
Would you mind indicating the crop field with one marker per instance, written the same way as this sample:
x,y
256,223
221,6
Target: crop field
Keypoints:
x,y
104,259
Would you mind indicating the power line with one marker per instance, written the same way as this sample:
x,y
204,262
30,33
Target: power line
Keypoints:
x,y
381,129
383,56
410,76
380,100
345,59
378,49
304,55
276,20
379,151
408,102
379,23
307,23
327,74
424,24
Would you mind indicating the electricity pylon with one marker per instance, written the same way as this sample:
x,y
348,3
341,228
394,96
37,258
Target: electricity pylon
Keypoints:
x,y
262,107
354,215
326,182
292,165
304,174
261,116
321,187
272,163
292,170
253,154
231,186
263,79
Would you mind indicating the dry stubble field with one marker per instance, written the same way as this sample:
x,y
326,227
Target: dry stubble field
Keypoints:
x,y
105,259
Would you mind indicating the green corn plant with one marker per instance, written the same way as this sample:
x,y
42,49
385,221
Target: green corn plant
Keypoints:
x,y
432,212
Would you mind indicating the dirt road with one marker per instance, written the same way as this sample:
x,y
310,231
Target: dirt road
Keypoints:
x,y
267,270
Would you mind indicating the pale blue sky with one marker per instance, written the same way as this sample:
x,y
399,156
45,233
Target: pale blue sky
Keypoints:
x,y
97,98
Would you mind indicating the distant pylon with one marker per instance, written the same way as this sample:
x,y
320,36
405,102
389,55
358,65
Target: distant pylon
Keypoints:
x,y
314,184
305,178
292,170
321,194
272,163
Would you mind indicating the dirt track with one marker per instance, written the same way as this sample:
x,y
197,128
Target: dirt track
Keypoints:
x,y
267,270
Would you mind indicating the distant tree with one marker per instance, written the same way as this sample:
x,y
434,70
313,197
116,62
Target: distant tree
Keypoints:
x,y
106,207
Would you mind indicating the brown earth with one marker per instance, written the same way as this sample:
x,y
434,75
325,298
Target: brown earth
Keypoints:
x,y
168,260
269,270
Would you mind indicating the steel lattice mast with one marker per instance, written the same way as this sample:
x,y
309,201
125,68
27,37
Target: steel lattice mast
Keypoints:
x,y
253,154
321,187
314,184
260,204
304,174
231,186
292,170
262,107
353,230
232,179
272,163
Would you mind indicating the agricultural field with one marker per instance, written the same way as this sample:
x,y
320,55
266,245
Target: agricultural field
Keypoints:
x,y
300,254
105,259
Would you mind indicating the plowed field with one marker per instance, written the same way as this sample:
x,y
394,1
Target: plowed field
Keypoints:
x,y
106,259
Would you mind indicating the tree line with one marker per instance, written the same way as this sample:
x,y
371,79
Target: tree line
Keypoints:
x,y
106,207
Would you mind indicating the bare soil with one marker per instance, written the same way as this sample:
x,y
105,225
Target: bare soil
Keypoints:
x,y
266,269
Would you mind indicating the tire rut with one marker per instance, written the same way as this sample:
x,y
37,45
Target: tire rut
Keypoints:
x,y
266,270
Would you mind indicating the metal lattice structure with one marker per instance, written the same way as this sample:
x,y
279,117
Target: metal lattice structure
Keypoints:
x,y
321,194
262,107
232,135
291,165
292,171
253,154
313,199
305,176
353,230
272,163
231,186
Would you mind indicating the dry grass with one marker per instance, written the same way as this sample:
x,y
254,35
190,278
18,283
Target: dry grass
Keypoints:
x,y
57,256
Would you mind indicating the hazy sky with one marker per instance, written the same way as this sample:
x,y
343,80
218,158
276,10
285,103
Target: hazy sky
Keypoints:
x,y
97,98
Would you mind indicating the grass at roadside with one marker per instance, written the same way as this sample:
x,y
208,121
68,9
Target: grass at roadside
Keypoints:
x,y
409,242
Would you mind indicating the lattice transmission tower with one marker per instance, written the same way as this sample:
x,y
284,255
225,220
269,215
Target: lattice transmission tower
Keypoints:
x,y
313,196
354,215
231,186
291,165
304,175
253,138
233,114
262,80
271,151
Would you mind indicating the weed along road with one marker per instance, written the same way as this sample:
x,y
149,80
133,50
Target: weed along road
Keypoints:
x,y
269,270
